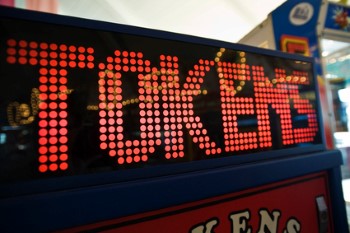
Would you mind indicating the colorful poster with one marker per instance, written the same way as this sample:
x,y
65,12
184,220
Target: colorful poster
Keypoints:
x,y
338,18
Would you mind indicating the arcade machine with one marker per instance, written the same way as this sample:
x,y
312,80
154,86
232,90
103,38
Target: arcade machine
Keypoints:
x,y
320,29
114,128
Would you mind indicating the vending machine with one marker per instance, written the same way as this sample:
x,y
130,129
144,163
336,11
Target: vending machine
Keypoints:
x,y
320,29
114,128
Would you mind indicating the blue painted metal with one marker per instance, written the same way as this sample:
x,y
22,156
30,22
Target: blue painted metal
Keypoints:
x,y
74,207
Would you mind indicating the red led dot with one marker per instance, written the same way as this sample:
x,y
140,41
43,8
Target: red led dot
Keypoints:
x,y
128,143
63,72
53,167
11,60
101,66
43,88
43,105
22,60
63,140
53,140
33,61
125,68
53,149
63,148
53,96
11,42
112,145
53,72
136,151
151,150
53,132
72,48
42,150
129,159
121,160
63,114
81,49
53,158
125,53
64,166
120,136
43,141
43,54
63,131
81,64
111,137
53,55
43,168
90,50
112,153
63,63
43,114
120,152
23,43
167,155
63,157
43,159
53,114
62,123
103,146
72,64
137,159
53,63
63,56
42,132
12,51
63,105
53,88
111,121
22,52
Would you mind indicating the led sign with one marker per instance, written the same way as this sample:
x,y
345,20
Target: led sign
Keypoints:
x,y
78,100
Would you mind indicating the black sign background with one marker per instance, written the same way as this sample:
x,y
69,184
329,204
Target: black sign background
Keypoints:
x,y
19,147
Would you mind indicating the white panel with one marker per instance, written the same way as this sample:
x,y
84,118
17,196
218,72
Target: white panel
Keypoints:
x,y
226,20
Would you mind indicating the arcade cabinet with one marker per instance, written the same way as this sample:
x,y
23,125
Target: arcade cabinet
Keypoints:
x,y
115,128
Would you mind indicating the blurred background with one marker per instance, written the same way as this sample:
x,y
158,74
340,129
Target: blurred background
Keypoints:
x,y
229,21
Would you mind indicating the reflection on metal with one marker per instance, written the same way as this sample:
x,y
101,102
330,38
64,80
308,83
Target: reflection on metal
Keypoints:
x,y
21,113
242,60
146,87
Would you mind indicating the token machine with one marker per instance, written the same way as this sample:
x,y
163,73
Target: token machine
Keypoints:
x,y
320,29
114,128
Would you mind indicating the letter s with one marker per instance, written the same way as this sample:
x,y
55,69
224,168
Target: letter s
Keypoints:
x,y
293,226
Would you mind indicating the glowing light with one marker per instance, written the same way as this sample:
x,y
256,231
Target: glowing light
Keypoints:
x,y
165,101
48,54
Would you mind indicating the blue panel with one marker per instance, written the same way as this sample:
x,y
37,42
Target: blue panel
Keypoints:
x,y
298,18
337,18
59,210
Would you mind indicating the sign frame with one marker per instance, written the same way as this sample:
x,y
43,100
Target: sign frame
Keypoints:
x,y
55,184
